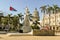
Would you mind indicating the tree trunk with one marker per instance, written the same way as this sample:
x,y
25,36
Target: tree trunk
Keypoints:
x,y
43,19
49,19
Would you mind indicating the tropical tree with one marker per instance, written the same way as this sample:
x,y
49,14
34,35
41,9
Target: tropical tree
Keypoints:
x,y
35,25
49,11
20,16
43,9
30,17
15,21
56,8
4,22
0,19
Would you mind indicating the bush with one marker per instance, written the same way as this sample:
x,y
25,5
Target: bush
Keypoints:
x,y
37,32
35,27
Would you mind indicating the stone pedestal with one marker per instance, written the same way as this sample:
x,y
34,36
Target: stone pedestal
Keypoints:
x,y
26,29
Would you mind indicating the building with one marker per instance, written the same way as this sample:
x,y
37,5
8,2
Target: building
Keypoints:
x,y
52,24
35,15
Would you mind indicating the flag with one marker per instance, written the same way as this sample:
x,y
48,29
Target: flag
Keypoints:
x,y
12,9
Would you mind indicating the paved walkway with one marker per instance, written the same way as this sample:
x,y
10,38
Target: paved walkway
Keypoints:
x,y
5,37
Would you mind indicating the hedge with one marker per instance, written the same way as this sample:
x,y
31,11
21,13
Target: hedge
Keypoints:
x,y
37,32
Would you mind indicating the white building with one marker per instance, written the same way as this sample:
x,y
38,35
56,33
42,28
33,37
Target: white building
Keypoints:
x,y
53,26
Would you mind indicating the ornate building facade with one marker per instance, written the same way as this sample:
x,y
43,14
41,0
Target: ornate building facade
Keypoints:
x,y
35,15
52,24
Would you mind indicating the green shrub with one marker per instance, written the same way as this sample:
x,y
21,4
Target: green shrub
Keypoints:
x,y
35,27
43,32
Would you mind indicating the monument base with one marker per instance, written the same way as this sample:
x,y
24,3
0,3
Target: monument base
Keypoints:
x,y
26,29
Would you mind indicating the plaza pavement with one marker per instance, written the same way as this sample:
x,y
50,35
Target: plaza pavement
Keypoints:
x,y
5,37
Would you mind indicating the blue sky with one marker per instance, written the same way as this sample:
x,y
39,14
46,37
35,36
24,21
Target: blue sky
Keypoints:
x,y
20,5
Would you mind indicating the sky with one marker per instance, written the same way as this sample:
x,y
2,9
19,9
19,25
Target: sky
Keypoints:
x,y
20,5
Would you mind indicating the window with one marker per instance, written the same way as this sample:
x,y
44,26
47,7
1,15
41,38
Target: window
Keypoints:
x,y
53,28
57,28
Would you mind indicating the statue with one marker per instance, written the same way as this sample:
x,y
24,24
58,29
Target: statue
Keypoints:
x,y
26,24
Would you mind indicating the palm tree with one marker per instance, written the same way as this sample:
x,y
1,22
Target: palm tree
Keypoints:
x,y
49,10
43,9
30,17
4,22
9,18
56,8
35,25
20,16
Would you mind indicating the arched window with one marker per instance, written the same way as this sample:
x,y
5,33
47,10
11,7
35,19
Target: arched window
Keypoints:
x,y
57,28
53,28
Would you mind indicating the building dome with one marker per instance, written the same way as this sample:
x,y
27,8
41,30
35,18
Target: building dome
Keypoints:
x,y
35,15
